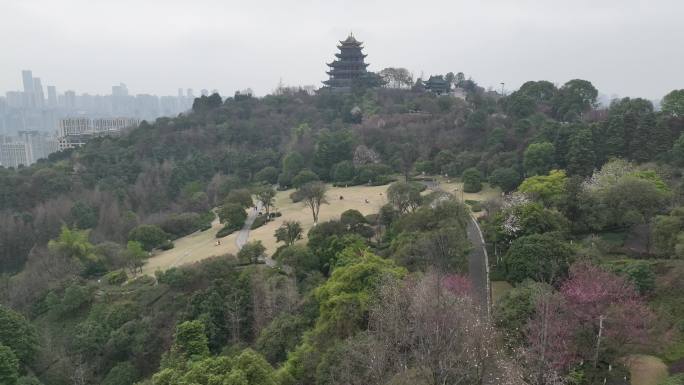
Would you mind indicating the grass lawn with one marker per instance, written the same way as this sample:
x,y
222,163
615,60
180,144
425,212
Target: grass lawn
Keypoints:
x,y
646,370
201,245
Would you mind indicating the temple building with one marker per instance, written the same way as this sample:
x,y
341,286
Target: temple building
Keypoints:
x,y
437,85
349,67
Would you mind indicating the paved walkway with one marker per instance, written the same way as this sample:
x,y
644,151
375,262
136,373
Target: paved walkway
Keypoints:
x,y
243,235
478,268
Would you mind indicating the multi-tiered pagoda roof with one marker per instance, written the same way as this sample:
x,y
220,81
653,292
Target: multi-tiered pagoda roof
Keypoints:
x,y
348,66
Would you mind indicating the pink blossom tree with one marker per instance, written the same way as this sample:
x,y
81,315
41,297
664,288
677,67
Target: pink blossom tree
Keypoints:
x,y
595,315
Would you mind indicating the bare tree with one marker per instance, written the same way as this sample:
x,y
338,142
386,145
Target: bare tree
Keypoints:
x,y
313,195
430,339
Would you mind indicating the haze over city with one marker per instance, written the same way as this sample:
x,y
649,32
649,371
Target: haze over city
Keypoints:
x,y
625,48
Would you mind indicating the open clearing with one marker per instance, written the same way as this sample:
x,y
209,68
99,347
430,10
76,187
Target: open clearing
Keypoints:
x,y
646,370
201,245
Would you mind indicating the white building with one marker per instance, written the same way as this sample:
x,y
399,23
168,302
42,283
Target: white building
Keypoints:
x,y
75,132
13,154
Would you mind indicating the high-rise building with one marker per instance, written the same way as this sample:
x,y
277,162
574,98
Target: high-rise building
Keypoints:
x,y
27,77
52,96
70,99
189,93
15,99
349,65
38,95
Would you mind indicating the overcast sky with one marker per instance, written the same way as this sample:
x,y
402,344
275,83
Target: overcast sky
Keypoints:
x,y
625,47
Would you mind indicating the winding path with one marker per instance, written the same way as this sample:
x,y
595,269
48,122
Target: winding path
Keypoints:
x,y
478,263
243,235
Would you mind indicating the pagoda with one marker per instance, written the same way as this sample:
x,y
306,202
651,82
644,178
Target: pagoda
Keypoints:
x,y
349,65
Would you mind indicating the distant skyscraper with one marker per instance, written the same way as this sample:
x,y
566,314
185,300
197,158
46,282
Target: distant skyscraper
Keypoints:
x,y
180,93
189,93
52,96
70,99
120,90
27,77
38,95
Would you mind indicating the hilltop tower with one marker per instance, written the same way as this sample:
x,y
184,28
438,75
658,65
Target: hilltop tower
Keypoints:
x,y
349,65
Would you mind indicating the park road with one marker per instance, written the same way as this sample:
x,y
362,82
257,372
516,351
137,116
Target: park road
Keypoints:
x,y
478,270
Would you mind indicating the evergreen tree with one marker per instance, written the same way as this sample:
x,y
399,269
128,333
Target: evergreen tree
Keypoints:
x,y
581,157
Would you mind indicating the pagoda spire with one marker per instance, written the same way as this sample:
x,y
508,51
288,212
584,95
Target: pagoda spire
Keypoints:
x,y
348,66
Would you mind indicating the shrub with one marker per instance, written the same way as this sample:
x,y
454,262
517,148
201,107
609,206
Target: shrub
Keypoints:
x,y
259,221
116,277
182,224
225,231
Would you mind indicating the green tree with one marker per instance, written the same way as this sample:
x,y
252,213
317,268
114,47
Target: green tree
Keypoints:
x,y
84,216
538,158
293,163
581,157
404,196
250,252
513,311
242,197
345,297
9,366
267,175
673,103
149,236
300,259
266,194
573,99
280,337
135,256
232,215
190,340
547,188
343,171
506,178
303,177
541,257
332,147
472,180
678,151
289,232
18,334
123,373
74,244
